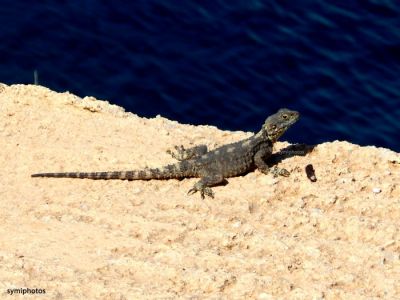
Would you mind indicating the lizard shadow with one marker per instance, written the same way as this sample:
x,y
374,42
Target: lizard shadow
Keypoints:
x,y
289,151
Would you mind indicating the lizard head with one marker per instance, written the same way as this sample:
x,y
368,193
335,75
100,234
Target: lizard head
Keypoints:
x,y
276,124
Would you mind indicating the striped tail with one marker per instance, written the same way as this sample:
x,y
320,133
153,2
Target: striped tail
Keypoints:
x,y
178,170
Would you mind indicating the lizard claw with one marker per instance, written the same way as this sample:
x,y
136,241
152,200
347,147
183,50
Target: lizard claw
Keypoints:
x,y
203,191
282,172
180,153
192,191
207,191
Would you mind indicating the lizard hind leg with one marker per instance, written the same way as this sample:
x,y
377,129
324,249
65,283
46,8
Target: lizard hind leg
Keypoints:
x,y
180,153
204,184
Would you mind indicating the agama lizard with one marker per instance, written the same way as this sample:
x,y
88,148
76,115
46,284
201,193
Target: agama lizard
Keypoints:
x,y
214,166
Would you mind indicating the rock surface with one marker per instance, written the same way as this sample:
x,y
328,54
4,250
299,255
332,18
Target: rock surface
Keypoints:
x,y
260,238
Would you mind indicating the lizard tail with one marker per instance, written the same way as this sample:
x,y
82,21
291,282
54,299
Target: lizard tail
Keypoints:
x,y
167,172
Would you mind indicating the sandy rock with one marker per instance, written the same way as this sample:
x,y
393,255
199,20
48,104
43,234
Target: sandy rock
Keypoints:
x,y
260,238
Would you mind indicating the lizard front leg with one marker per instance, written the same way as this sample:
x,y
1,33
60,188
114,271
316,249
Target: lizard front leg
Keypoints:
x,y
263,167
181,153
204,184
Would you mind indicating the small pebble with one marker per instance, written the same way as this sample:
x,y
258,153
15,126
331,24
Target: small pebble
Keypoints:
x,y
376,190
310,172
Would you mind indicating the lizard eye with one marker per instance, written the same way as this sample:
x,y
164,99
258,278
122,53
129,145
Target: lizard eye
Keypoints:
x,y
284,116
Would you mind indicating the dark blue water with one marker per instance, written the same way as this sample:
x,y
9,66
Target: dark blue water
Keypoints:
x,y
221,62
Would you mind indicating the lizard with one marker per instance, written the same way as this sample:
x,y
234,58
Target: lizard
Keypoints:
x,y
211,166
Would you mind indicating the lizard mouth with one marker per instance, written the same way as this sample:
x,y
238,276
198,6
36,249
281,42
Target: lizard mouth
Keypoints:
x,y
274,136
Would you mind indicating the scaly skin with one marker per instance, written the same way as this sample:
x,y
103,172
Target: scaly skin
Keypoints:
x,y
213,166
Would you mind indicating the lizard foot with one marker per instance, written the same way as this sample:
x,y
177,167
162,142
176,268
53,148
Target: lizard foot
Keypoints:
x,y
180,153
203,191
280,172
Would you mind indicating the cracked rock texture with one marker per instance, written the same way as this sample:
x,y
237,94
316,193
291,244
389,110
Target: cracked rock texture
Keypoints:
x,y
260,238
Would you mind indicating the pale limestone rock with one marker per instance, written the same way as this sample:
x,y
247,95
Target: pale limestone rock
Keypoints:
x,y
260,238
